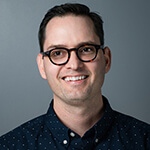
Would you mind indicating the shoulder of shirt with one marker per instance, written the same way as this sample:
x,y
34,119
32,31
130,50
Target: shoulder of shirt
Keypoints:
x,y
129,122
30,127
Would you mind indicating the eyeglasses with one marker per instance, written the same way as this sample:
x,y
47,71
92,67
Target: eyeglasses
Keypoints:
x,y
61,55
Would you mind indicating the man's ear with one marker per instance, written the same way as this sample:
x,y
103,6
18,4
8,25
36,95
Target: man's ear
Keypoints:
x,y
40,63
107,55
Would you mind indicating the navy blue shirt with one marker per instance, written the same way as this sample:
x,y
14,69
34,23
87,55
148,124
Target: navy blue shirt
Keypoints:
x,y
114,131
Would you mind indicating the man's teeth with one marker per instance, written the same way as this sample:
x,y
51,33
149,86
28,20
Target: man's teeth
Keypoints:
x,y
74,78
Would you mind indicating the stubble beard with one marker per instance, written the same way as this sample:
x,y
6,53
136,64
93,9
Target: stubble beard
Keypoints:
x,y
75,98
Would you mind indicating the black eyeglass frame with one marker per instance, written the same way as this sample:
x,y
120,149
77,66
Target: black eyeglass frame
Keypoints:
x,y
97,47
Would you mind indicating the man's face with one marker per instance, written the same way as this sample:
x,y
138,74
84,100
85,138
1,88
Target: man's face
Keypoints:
x,y
85,78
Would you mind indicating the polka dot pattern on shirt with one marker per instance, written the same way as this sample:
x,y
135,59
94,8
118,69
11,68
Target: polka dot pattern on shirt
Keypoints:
x,y
114,131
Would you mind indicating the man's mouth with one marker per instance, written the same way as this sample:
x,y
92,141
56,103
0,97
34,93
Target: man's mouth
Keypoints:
x,y
75,78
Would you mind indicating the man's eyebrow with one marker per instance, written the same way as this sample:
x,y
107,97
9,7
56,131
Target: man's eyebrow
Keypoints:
x,y
86,42
65,46
56,46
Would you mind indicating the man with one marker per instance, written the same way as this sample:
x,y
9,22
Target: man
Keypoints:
x,y
74,61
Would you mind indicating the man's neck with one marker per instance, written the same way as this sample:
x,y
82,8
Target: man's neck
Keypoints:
x,y
79,118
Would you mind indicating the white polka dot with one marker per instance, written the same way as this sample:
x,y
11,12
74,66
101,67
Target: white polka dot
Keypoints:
x,y
96,140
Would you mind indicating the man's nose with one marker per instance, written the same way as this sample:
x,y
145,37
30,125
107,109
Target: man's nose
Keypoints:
x,y
74,62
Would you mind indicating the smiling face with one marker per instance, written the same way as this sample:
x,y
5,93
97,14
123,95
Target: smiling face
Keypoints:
x,y
76,81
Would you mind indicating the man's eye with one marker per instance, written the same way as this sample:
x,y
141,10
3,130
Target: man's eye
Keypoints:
x,y
87,50
58,53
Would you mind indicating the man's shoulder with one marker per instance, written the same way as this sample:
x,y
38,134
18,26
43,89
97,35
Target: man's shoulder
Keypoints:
x,y
124,120
23,131
130,123
124,117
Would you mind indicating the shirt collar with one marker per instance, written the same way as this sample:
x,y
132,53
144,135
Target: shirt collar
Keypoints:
x,y
102,126
61,132
56,127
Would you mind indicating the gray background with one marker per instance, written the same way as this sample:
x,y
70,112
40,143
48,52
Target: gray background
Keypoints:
x,y
25,95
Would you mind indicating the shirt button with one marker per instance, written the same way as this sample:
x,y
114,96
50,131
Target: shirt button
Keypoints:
x,y
72,134
65,142
96,140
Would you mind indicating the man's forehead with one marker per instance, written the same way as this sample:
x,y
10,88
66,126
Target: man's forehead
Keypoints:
x,y
70,17
63,30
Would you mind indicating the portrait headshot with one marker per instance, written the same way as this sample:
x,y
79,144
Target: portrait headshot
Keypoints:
x,y
74,75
